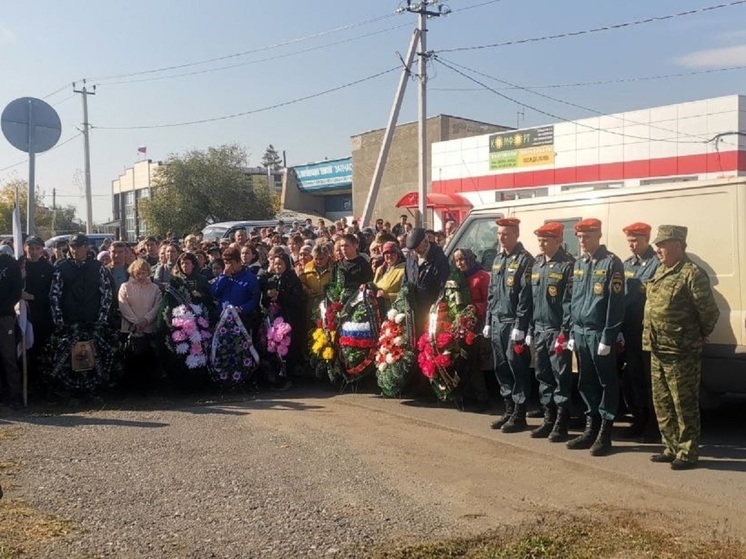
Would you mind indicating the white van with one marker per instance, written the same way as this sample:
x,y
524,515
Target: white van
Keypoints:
x,y
714,212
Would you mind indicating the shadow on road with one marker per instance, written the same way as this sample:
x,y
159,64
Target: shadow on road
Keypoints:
x,y
80,420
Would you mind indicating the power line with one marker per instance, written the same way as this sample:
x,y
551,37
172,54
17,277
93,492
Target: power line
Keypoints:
x,y
557,117
600,29
600,82
70,139
242,53
700,138
252,62
252,111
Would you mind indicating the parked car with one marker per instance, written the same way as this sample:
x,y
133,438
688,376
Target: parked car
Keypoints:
x,y
95,239
225,229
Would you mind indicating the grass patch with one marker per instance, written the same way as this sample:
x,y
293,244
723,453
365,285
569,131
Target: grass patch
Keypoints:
x,y
23,529
610,536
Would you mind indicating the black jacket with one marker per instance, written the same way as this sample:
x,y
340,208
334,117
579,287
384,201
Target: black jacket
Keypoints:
x,y
430,277
11,285
81,292
38,283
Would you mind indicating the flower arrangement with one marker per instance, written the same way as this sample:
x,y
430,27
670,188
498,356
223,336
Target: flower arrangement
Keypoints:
x,y
323,338
278,337
232,358
358,334
451,330
395,357
189,335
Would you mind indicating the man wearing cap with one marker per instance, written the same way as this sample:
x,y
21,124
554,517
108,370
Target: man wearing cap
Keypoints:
x,y
509,307
597,311
81,296
11,286
638,270
551,282
680,312
36,293
427,270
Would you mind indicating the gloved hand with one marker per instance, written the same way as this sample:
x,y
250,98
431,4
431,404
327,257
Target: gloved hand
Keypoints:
x,y
517,335
486,331
571,344
604,349
528,339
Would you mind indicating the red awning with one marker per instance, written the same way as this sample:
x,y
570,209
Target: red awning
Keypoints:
x,y
435,200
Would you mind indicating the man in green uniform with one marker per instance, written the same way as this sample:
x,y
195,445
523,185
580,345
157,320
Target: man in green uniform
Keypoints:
x,y
680,313
597,310
638,269
551,283
508,316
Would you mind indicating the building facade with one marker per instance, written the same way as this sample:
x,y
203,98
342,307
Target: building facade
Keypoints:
x,y
699,140
134,184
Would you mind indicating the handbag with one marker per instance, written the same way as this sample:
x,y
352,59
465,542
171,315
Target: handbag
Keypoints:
x,y
137,343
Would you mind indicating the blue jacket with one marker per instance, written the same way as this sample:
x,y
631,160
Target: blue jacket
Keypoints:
x,y
240,290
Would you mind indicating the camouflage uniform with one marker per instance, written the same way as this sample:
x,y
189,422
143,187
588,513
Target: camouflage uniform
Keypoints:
x,y
680,313
551,281
638,270
597,312
508,308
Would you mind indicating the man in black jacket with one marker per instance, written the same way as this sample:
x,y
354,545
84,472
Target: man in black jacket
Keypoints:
x,y
36,293
427,270
11,286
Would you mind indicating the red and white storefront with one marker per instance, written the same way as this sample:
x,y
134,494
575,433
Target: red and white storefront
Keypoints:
x,y
688,141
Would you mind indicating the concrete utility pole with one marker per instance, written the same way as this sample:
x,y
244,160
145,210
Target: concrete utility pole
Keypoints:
x,y
87,153
424,9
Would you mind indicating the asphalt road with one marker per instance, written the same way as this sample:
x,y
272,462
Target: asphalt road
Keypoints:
x,y
313,473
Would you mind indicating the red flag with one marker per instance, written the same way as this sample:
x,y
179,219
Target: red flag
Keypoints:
x,y
142,149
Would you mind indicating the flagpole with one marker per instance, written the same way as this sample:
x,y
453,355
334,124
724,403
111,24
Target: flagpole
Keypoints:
x,y
18,251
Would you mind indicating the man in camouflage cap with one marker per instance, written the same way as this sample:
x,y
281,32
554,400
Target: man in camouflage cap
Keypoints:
x,y
680,312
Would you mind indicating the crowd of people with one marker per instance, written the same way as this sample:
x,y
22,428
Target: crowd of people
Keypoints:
x,y
344,303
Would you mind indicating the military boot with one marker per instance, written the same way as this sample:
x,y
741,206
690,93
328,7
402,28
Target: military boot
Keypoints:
x,y
602,445
550,416
586,440
517,421
559,431
507,414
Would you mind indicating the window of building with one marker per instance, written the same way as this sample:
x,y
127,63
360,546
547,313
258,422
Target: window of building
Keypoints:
x,y
520,194
588,187
667,180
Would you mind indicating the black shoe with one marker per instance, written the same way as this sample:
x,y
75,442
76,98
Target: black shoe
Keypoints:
x,y
507,414
662,458
680,464
517,421
535,413
586,440
602,445
559,431
550,416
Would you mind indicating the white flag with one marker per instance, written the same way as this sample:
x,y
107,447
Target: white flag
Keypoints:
x,y
22,306
17,231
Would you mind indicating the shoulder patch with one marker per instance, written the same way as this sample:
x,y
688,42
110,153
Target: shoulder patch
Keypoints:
x,y
617,283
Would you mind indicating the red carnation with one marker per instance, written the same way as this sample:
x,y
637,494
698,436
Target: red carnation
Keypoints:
x,y
519,348
470,338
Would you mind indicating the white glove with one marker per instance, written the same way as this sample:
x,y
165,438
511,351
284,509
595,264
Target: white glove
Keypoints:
x,y
486,331
571,344
620,339
604,349
517,335
529,339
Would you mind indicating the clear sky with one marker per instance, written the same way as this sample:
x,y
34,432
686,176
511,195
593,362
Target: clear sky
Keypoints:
x,y
45,45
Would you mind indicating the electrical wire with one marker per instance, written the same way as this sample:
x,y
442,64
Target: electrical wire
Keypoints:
x,y
252,62
243,53
557,117
611,27
700,137
601,82
59,145
252,111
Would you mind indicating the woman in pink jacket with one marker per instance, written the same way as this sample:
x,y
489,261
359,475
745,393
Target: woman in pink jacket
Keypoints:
x,y
139,302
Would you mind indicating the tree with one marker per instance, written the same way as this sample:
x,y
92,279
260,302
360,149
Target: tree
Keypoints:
x,y
47,221
198,187
271,159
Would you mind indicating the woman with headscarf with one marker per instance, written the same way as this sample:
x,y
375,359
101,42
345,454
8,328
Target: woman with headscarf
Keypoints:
x,y
390,275
284,297
186,276
476,397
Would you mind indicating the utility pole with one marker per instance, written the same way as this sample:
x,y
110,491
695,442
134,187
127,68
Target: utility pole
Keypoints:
x,y
87,153
424,9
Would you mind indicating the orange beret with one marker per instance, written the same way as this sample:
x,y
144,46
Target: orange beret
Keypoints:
x,y
508,221
550,229
638,228
588,225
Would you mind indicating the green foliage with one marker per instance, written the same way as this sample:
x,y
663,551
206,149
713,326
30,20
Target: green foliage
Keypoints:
x,y
48,222
197,187
271,159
